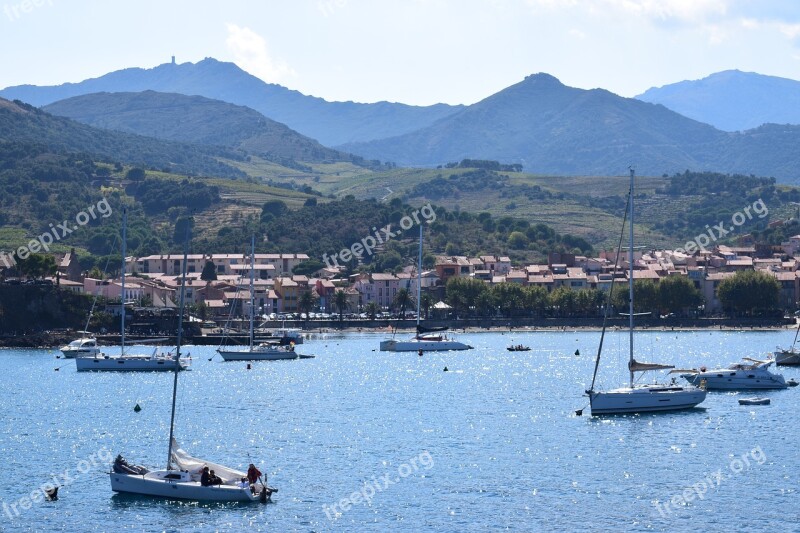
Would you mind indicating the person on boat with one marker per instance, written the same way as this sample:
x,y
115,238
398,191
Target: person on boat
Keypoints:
x,y
205,478
243,483
215,479
253,474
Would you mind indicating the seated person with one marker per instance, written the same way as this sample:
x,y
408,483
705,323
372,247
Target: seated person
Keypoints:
x,y
244,484
214,479
205,478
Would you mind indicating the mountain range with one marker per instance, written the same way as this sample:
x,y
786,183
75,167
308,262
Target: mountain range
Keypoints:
x,y
539,122
331,123
732,100
554,129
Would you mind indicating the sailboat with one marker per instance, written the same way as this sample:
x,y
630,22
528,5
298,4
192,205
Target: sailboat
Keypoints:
x,y
637,398
788,356
182,477
125,362
427,339
259,351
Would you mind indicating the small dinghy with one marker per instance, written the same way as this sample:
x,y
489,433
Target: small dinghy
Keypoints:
x,y
519,348
754,401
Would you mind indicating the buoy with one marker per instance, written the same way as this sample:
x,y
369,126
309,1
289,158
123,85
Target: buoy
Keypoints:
x,y
136,408
445,369
56,369
420,352
249,366
577,352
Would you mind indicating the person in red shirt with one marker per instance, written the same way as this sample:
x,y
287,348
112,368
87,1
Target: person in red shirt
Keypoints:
x,y
253,474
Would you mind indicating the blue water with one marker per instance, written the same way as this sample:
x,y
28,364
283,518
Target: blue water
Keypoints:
x,y
492,444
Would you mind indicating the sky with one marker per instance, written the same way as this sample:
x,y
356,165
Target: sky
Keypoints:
x,y
411,51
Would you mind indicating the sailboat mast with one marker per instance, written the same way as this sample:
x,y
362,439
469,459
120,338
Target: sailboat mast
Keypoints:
x,y
419,276
252,286
178,349
124,251
630,281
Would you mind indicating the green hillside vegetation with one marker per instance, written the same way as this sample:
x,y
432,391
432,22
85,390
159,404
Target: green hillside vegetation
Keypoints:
x,y
327,228
20,122
198,120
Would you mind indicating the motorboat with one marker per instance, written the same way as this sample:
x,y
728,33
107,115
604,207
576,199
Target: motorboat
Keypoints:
x,y
637,398
519,348
748,375
83,347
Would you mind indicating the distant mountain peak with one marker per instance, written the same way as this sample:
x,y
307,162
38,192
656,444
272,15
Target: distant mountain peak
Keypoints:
x,y
542,77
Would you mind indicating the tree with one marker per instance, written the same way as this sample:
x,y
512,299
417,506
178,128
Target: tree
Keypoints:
x,y
307,302
509,297
748,291
37,266
645,297
209,273
536,299
309,267
463,292
273,209
135,174
425,303
371,309
340,302
518,240
676,293
402,300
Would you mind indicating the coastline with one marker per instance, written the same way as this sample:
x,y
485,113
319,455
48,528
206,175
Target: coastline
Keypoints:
x,y
56,339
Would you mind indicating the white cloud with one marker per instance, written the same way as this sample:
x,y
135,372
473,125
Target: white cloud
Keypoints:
x,y
251,53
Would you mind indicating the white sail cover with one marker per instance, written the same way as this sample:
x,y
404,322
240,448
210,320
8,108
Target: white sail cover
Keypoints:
x,y
194,466
636,366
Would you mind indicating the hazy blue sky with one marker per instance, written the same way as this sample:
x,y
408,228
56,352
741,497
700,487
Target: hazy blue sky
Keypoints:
x,y
413,51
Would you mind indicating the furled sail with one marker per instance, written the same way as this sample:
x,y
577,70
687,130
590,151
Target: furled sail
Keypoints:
x,y
636,366
423,329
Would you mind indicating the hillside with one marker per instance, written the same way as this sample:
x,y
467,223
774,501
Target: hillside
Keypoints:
x,y
732,100
554,129
331,123
196,120
23,123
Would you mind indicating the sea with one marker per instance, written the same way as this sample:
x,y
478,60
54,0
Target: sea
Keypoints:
x,y
361,440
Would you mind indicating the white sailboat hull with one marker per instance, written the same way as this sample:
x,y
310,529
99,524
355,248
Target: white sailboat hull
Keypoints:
x,y
787,357
645,399
130,363
727,379
414,345
279,354
153,484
